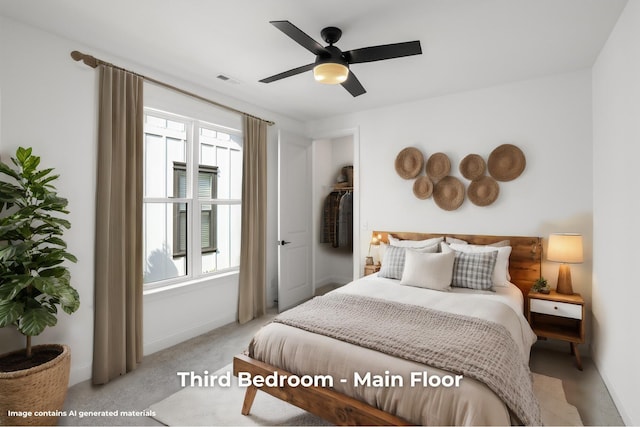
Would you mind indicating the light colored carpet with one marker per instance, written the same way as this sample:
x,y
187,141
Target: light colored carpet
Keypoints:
x,y
199,406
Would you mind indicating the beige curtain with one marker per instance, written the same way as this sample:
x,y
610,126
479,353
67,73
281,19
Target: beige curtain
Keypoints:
x,y
117,345
252,294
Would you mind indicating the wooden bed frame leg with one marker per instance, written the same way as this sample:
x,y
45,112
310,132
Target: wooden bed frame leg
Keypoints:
x,y
248,399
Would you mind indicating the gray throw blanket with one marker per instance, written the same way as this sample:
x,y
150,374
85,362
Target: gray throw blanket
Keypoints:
x,y
473,347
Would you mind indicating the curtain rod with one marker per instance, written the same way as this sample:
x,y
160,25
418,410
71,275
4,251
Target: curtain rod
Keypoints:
x,y
93,62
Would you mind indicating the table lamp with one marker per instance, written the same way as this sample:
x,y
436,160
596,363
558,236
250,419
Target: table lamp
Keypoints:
x,y
565,248
375,241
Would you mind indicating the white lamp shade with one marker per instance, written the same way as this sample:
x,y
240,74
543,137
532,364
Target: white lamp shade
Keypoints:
x,y
565,247
330,73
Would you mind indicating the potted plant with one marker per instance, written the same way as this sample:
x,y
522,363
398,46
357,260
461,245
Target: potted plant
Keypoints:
x,y
34,283
541,286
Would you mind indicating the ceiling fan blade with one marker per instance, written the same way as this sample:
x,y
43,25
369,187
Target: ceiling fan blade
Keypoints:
x,y
299,36
353,85
288,73
387,51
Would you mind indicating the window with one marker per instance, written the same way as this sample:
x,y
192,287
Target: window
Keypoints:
x,y
192,196
207,189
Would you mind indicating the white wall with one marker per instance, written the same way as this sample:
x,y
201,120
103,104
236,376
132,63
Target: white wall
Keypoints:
x,y
49,102
548,118
616,133
332,265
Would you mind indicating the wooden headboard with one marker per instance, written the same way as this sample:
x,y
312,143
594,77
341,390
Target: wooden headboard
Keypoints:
x,y
525,262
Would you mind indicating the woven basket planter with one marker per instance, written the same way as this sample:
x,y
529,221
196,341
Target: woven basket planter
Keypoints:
x,y
40,390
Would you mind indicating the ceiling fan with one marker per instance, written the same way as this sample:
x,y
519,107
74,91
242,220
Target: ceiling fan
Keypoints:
x,y
332,65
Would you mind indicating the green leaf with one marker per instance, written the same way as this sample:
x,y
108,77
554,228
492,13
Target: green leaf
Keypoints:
x,y
13,286
22,154
43,173
30,164
56,241
10,190
10,312
35,320
6,289
48,285
7,253
69,300
5,169
59,272
70,257
11,226
45,182
57,222
47,261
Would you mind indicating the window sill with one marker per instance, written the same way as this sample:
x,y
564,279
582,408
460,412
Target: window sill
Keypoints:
x,y
189,283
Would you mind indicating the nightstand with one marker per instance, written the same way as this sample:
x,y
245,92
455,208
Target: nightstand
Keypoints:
x,y
558,316
370,269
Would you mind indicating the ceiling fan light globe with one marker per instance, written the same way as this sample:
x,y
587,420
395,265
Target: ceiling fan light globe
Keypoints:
x,y
330,73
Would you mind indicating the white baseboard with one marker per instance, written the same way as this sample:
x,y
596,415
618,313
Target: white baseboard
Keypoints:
x,y
177,338
80,374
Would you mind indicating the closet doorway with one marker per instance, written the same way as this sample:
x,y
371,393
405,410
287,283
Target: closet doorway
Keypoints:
x,y
335,211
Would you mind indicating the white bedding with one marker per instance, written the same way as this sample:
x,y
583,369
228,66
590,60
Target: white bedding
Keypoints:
x,y
463,301
302,352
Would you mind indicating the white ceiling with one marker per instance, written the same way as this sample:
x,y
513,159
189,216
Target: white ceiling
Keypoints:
x,y
466,44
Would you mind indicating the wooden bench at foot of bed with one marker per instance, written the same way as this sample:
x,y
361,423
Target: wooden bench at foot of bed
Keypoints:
x,y
326,403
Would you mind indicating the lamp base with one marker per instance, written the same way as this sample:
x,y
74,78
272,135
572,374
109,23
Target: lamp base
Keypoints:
x,y
564,280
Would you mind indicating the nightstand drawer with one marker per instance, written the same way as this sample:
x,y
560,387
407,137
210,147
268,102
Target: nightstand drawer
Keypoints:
x,y
562,309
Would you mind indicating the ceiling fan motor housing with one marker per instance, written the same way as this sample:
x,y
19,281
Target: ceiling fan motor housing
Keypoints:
x,y
333,55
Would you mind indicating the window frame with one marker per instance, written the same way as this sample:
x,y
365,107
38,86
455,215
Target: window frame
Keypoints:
x,y
192,202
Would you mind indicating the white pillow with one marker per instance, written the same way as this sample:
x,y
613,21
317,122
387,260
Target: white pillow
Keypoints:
x,y
501,269
394,259
428,270
499,244
414,243
382,248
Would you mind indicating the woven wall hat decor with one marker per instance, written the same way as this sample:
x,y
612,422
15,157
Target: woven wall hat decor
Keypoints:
x,y
483,191
472,166
506,162
409,162
448,193
438,166
423,187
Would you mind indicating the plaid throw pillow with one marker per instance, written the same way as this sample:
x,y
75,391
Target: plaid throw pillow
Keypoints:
x,y
393,262
474,270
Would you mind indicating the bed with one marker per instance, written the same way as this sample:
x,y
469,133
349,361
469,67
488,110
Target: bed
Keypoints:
x,y
292,350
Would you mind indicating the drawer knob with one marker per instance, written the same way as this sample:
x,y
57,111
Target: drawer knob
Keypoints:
x,y
555,307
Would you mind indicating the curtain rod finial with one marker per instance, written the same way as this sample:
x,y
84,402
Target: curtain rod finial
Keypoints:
x,y
87,59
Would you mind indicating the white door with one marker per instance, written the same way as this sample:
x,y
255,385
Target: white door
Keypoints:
x,y
294,220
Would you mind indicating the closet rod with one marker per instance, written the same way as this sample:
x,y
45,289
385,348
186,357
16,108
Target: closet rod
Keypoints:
x,y
93,62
